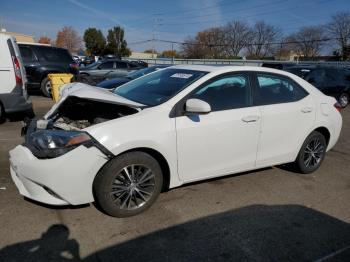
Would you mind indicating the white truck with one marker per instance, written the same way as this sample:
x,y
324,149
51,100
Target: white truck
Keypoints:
x,y
13,94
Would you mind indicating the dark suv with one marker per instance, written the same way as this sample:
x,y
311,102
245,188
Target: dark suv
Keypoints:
x,y
331,81
41,60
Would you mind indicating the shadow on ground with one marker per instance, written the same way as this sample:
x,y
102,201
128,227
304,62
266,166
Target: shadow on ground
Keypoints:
x,y
258,233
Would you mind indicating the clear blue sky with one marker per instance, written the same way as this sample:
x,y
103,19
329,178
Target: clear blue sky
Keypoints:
x,y
175,19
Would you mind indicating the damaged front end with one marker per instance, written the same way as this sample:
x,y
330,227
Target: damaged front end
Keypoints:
x,y
62,129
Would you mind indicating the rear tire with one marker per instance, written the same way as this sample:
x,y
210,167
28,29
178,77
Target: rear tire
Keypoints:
x,y
128,185
343,100
312,153
46,87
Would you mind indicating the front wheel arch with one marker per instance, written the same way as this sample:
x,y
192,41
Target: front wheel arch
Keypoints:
x,y
103,184
156,155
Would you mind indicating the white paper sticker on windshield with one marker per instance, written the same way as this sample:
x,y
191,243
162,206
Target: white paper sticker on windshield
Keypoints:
x,y
181,75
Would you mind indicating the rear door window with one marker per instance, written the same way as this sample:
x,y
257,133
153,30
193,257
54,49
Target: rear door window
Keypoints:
x,y
27,54
133,65
106,65
121,65
273,89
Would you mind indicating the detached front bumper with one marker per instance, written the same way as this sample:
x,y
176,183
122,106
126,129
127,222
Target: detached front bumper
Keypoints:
x,y
65,180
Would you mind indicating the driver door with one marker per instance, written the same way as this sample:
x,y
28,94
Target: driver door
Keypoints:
x,y
223,141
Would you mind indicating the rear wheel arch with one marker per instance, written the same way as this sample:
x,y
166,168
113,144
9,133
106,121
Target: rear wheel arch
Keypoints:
x,y
312,152
321,129
325,132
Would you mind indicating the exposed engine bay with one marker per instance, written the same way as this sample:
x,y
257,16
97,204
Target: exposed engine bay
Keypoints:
x,y
77,113
62,128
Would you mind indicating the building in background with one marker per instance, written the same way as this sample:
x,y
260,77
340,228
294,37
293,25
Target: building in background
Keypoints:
x,y
19,37
140,55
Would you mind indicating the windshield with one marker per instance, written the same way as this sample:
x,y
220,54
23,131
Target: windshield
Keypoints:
x,y
155,88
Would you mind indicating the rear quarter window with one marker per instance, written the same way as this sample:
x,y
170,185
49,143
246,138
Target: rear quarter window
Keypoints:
x,y
27,54
51,54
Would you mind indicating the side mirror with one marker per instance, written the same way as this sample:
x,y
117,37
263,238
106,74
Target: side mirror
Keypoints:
x,y
197,106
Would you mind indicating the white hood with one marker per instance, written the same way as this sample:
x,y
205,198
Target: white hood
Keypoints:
x,y
90,92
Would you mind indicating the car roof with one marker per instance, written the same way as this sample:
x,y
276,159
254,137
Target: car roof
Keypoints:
x,y
224,69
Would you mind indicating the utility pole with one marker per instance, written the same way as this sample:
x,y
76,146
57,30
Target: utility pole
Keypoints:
x,y
156,22
172,53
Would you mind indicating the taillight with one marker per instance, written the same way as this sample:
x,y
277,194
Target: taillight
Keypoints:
x,y
17,69
338,106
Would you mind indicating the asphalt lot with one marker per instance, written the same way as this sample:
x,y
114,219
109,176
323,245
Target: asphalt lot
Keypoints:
x,y
267,215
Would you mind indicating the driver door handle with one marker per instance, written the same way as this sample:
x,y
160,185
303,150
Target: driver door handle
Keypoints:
x,y
249,119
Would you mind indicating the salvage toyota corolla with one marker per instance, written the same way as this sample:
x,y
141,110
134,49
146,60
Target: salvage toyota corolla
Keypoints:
x,y
173,126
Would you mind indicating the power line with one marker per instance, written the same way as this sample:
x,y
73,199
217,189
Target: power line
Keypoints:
x,y
139,42
250,16
148,17
230,11
252,44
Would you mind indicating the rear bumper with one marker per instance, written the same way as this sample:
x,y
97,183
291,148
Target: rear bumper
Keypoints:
x,y
65,180
14,103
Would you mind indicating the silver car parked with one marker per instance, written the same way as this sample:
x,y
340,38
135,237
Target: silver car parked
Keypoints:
x,y
109,68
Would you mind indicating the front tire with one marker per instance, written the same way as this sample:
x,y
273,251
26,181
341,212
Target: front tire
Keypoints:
x,y
312,153
128,185
46,87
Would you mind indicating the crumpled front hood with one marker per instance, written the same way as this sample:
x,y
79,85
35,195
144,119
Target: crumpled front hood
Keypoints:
x,y
93,93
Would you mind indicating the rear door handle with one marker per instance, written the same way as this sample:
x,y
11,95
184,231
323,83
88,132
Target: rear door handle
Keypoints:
x,y
307,110
249,119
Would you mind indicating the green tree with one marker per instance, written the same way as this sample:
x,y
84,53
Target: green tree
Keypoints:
x,y
116,44
95,42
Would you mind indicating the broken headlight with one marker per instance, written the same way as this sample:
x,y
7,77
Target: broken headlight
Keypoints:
x,y
54,143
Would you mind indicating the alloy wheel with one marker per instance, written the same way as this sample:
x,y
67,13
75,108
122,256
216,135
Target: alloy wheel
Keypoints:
x,y
48,87
344,100
313,153
133,186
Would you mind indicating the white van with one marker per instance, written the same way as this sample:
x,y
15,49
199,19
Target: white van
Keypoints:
x,y
13,94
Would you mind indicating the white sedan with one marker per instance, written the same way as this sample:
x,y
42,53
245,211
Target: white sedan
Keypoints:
x,y
174,126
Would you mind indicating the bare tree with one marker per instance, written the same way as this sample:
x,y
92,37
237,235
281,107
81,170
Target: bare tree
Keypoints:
x,y
192,48
237,34
68,38
339,28
307,41
214,41
261,37
206,44
44,40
